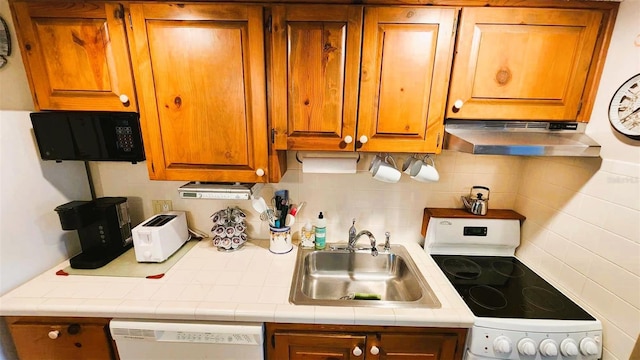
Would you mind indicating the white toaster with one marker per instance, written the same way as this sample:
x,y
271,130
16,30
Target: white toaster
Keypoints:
x,y
160,236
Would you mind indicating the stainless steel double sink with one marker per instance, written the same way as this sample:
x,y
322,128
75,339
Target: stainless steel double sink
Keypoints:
x,y
357,278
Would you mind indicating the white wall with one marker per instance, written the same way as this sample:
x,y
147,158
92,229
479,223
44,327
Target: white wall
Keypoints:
x,y
31,239
583,215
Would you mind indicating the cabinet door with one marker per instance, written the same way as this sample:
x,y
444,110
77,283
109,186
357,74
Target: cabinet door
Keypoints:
x,y
76,55
418,346
306,346
50,338
201,73
314,76
525,64
406,61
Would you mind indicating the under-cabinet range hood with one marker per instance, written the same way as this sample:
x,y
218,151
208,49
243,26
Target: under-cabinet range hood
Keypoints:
x,y
219,191
519,138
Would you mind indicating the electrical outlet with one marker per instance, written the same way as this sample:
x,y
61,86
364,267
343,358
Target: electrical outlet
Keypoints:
x,y
161,206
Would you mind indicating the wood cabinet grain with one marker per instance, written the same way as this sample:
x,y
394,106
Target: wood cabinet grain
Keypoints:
x,y
328,95
522,63
200,73
76,55
331,342
406,60
225,89
314,72
42,338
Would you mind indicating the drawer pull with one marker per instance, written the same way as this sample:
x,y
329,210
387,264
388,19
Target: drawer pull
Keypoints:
x,y
53,334
374,350
357,351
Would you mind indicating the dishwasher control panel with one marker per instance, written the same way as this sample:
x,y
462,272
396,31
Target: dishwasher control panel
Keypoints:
x,y
188,332
207,337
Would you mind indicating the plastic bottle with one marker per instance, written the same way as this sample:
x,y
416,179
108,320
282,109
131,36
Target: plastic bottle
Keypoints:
x,y
307,237
321,232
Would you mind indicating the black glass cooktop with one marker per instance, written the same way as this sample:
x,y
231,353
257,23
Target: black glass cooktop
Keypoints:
x,y
503,287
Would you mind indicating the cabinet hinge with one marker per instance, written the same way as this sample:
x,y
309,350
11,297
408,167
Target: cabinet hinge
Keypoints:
x,y
269,23
273,341
579,107
130,21
455,26
438,141
273,136
153,168
118,13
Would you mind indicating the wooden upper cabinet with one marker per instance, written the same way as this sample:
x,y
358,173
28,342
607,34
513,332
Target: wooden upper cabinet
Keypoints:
x,y
522,63
323,100
406,61
200,72
314,75
76,55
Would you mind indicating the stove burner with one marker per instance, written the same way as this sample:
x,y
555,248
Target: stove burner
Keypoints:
x,y
487,297
543,299
462,268
507,268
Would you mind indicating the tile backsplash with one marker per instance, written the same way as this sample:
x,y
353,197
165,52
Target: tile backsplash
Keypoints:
x,y
377,206
583,233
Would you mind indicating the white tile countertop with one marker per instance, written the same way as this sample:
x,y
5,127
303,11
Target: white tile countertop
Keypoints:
x,y
251,284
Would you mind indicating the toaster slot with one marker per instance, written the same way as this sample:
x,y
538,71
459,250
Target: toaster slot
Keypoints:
x,y
160,220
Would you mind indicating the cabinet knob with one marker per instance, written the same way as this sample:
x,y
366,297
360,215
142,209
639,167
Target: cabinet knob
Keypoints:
x,y
260,172
364,139
348,139
374,350
357,351
457,105
124,99
53,334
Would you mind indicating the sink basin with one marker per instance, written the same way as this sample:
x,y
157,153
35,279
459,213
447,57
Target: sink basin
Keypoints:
x,y
328,277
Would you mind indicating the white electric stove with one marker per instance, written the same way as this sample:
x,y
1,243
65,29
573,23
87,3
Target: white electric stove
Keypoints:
x,y
518,315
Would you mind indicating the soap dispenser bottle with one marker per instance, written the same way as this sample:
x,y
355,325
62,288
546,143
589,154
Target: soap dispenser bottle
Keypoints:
x,y
307,236
321,232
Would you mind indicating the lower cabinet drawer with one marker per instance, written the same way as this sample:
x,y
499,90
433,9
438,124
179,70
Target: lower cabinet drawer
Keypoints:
x,y
61,338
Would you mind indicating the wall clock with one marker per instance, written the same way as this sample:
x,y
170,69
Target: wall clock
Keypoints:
x,y
624,109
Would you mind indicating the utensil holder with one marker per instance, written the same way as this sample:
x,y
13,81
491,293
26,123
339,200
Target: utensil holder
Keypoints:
x,y
280,240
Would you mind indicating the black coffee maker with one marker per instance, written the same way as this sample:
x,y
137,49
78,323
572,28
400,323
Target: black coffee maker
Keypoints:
x,y
104,229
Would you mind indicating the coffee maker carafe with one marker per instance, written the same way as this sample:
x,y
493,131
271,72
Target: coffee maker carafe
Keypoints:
x,y
104,229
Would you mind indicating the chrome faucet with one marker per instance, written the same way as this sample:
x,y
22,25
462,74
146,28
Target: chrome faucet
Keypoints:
x,y
387,241
354,236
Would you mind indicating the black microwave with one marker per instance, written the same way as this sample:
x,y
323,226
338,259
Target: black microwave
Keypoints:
x,y
88,135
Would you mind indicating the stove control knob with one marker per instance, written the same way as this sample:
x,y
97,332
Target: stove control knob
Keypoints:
x,y
569,347
527,347
548,347
588,346
502,345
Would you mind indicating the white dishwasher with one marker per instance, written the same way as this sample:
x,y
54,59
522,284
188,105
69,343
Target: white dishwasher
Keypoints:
x,y
158,339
